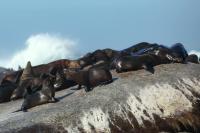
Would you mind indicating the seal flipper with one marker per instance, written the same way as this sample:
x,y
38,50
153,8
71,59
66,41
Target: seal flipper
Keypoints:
x,y
22,109
149,68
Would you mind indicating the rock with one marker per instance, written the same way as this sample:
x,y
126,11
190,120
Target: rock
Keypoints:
x,y
138,101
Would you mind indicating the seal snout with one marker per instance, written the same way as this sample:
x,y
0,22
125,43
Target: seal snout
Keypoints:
x,y
14,97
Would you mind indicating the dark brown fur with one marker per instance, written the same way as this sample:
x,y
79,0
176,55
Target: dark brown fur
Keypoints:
x,y
128,63
46,95
20,91
90,78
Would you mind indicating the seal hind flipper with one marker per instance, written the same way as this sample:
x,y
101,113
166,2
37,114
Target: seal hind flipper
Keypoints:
x,y
149,68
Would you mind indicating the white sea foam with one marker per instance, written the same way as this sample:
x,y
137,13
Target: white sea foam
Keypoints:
x,y
43,48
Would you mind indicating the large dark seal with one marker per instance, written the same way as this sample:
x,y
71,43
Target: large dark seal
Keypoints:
x,y
46,95
193,58
6,90
129,63
90,78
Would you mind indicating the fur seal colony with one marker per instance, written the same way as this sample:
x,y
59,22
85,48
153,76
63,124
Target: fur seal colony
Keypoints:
x,y
38,84
92,69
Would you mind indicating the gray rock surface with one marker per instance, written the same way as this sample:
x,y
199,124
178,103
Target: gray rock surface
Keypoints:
x,y
137,101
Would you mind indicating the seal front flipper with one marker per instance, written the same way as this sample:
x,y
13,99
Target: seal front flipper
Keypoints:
x,y
149,68
29,90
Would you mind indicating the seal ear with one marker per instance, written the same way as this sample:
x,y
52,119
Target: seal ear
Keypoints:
x,y
149,68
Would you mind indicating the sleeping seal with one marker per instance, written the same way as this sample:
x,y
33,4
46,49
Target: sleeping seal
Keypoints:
x,y
46,95
129,63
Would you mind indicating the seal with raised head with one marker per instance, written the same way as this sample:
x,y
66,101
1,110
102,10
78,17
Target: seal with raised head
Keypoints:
x,y
90,78
24,82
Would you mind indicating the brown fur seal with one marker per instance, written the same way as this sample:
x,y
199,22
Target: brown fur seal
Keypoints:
x,y
90,78
28,79
46,95
128,63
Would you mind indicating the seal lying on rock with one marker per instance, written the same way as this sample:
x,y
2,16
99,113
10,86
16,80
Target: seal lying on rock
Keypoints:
x,y
6,90
128,63
193,58
90,78
46,95
29,80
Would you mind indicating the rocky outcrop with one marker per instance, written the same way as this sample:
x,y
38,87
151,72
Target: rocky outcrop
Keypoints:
x,y
137,101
